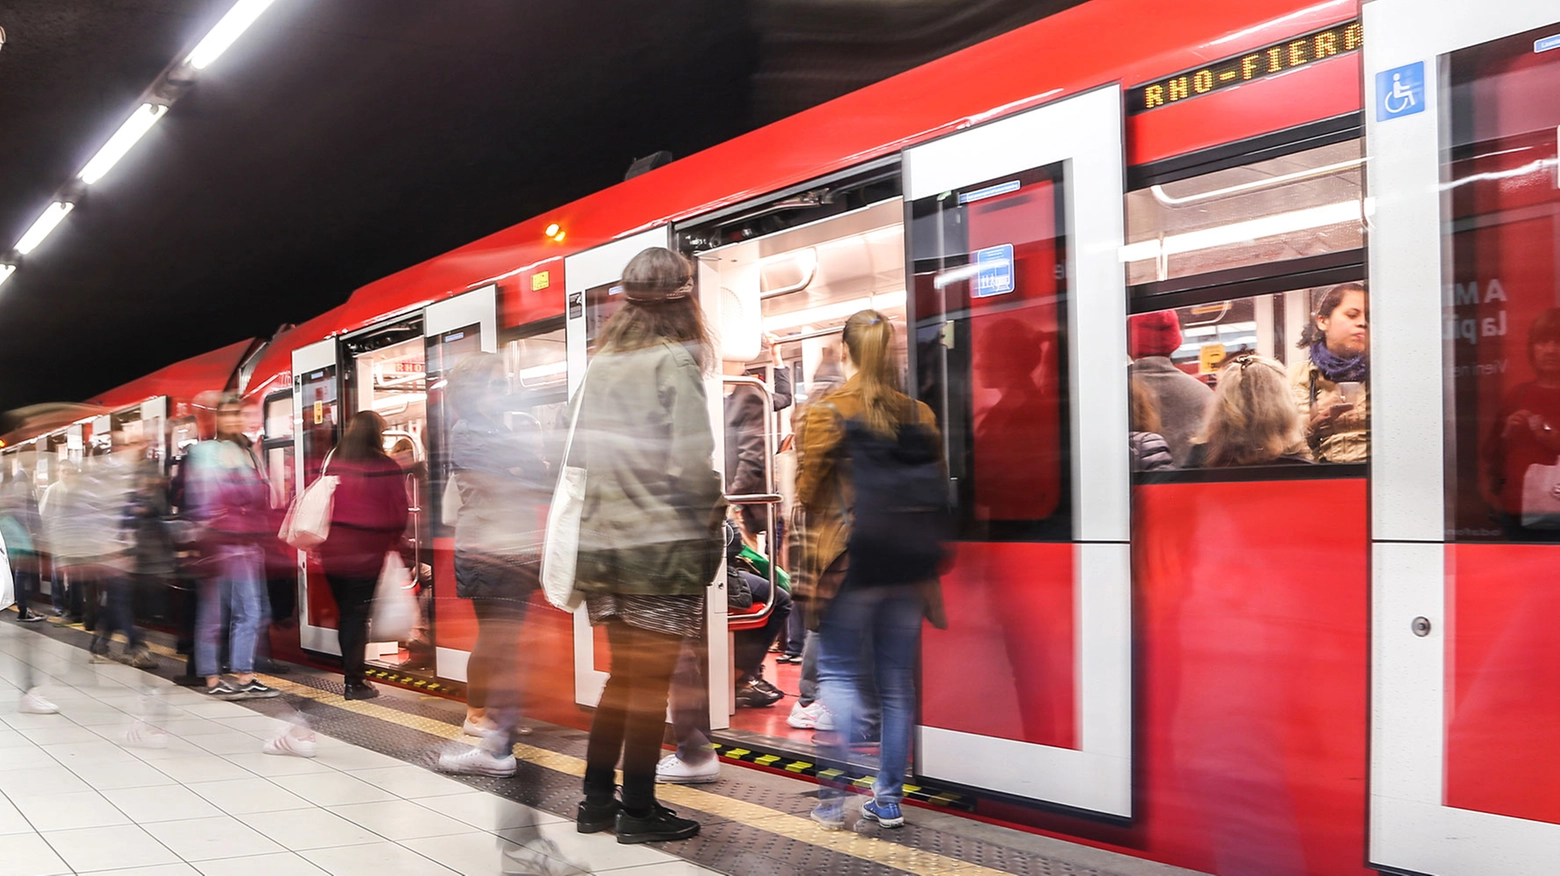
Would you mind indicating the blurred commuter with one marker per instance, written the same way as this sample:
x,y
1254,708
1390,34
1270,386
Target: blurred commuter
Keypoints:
x,y
368,520
1525,433
1252,420
1147,446
504,492
68,536
19,525
1180,399
850,607
229,502
1332,384
650,535
419,647
114,480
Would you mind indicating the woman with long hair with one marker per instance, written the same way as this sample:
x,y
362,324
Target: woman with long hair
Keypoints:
x,y
650,534
503,485
367,521
1252,419
1331,384
849,610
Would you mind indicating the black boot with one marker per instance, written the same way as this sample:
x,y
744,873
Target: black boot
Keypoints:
x,y
589,818
658,825
358,689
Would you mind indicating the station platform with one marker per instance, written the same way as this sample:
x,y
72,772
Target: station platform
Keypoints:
x,y
82,794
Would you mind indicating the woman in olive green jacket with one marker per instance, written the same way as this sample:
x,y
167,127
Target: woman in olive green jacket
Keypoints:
x,y
650,529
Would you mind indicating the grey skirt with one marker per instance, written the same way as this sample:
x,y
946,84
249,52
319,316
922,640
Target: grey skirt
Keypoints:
x,y
680,616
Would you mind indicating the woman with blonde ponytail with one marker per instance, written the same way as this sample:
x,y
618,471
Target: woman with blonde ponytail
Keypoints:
x,y
845,609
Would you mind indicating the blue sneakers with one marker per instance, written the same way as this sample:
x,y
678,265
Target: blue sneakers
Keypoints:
x,y
886,814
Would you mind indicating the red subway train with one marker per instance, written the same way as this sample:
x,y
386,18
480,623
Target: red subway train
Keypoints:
x,y
1319,668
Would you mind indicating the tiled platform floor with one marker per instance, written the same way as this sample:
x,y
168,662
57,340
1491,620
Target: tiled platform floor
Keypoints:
x,y
78,799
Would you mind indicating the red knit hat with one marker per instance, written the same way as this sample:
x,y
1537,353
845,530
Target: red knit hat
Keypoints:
x,y
1153,334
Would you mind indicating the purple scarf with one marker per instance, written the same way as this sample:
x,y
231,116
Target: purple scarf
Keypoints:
x,y
1337,368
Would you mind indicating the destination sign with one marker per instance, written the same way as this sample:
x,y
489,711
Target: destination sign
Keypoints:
x,y
1236,70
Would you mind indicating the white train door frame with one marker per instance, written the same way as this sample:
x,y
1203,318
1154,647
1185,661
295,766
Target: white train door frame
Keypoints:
x,y
1084,133
312,358
582,272
445,322
1412,828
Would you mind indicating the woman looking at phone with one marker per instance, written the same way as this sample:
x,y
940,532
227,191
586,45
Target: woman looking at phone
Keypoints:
x,y
1330,384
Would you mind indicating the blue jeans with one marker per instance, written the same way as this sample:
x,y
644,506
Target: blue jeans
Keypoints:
x,y
237,586
890,617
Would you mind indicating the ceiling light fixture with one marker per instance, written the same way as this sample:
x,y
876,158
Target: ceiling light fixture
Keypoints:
x,y
134,128
229,29
46,223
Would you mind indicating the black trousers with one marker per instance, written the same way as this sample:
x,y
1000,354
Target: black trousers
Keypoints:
x,y
631,717
354,600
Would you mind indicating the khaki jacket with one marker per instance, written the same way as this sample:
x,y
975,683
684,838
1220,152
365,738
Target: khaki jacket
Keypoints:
x,y
825,495
1350,437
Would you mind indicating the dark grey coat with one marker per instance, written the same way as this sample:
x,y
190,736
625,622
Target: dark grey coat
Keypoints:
x,y
1181,399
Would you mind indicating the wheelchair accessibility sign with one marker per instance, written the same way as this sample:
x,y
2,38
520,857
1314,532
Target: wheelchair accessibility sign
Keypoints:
x,y
1400,91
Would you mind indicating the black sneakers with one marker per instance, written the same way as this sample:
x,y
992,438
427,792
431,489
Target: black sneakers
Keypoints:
x,y
360,690
595,819
660,825
756,693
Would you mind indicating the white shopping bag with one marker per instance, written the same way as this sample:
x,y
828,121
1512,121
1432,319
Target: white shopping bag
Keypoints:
x,y
395,608
561,543
7,582
307,524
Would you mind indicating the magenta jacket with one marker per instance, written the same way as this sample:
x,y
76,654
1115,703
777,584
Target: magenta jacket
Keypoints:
x,y
368,517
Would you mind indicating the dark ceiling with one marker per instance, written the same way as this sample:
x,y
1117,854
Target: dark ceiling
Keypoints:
x,y
341,140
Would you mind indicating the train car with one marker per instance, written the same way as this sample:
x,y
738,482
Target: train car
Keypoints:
x,y
1322,667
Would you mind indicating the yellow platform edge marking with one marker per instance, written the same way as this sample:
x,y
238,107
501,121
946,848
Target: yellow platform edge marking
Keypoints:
x,y
763,818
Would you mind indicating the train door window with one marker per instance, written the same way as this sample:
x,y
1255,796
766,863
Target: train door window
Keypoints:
x,y
536,363
601,302
321,419
1295,206
277,443
444,352
991,348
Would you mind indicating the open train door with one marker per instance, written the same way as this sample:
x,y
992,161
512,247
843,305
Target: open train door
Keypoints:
x,y
1462,123
317,406
1019,308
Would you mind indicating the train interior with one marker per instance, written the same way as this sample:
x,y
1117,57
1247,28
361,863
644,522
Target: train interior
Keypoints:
x,y
391,380
785,299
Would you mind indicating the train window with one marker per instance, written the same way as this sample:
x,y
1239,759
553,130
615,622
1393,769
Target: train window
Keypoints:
x,y
1305,204
1276,379
1501,323
279,416
536,367
991,350
318,393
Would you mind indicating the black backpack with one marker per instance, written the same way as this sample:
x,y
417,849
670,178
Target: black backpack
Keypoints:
x,y
902,520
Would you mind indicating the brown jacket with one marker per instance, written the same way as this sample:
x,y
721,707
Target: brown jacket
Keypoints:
x,y
825,495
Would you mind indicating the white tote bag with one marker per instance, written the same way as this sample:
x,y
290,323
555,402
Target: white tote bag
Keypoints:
x,y
307,524
395,609
561,543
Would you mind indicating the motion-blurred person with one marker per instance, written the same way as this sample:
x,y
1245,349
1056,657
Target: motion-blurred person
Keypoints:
x,y
1178,397
114,480
867,603
368,520
228,498
1147,445
1252,420
1525,433
504,489
419,647
650,536
1332,384
67,535
19,525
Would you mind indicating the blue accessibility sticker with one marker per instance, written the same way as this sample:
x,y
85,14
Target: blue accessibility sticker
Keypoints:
x,y
1400,91
994,271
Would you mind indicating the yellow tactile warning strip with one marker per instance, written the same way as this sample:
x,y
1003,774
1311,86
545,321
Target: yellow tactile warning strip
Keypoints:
x,y
762,818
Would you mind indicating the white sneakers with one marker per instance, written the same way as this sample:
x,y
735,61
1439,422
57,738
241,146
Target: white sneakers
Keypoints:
x,y
481,729
144,735
33,703
477,762
813,717
295,741
673,770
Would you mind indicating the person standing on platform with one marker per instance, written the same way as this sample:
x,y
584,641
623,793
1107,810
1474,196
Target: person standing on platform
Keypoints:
x,y
650,535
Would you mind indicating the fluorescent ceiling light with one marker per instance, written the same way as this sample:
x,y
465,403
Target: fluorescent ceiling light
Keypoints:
x,y
537,373
134,128
229,29
5,273
51,218
828,312
1247,231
